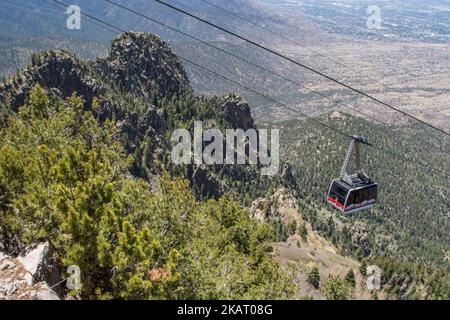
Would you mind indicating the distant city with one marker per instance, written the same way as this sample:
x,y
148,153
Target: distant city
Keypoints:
x,y
407,20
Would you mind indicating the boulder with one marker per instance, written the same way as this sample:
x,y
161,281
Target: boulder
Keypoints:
x,y
258,209
3,256
31,276
36,261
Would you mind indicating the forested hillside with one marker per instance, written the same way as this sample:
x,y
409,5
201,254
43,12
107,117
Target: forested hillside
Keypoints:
x,y
411,221
65,179
92,176
86,168
408,233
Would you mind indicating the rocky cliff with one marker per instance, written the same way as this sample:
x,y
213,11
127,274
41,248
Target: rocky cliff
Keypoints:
x,y
140,63
56,71
143,86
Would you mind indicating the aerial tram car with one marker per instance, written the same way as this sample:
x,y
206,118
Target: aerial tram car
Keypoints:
x,y
355,192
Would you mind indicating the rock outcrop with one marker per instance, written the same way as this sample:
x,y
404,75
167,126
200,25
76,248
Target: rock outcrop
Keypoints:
x,y
141,62
360,238
236,112
56,71
31,276
138,64
336,115
289,180
204,183
281,205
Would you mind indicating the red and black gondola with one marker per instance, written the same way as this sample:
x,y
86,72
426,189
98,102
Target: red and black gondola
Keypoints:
x,y
353,193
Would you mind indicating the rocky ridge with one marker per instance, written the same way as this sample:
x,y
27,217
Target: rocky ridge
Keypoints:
x,y
140,63
139,68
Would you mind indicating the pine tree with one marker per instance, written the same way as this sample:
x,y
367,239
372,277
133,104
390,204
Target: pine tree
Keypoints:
x,y
303,232
292,228
363,268
314,278
337,289
350,278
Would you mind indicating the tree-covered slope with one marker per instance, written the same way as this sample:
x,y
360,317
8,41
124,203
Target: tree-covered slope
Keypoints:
x,y
411,220
65,179
85,175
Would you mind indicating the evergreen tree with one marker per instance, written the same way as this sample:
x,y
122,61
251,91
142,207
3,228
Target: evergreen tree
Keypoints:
x,y
350,278
314,278
337,289
303,232
363,268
